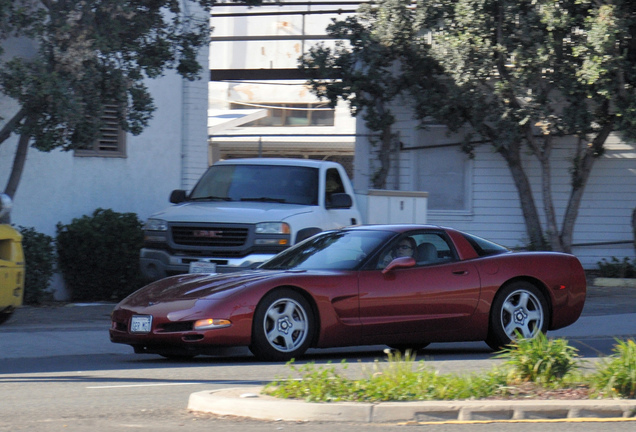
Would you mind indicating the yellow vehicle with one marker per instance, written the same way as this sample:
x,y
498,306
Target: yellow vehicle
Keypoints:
x,y
11,267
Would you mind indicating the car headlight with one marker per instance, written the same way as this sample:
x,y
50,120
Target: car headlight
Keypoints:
x,y
272,228
156,225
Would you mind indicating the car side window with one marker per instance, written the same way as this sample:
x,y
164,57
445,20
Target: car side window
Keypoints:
x,y
433,248
405,246
427,248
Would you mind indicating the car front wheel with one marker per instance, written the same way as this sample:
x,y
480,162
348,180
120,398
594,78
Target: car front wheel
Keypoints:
x,y
518,309
283,326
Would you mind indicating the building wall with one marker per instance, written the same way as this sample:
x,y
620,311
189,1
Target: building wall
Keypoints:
x,y
57,186
493,209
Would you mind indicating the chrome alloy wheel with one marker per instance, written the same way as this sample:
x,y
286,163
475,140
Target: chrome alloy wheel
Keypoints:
x,y
286,325
522,313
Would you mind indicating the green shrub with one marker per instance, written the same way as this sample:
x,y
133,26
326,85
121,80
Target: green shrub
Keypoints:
x,y
539,359
616,375
39,257
98,255
616,268
400,379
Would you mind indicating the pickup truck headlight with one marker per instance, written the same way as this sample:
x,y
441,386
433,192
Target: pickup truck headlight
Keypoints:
x,y
272,228
272,234
156,225
155,231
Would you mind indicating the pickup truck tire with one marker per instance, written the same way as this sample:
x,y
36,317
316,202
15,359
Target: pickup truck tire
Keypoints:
x,y
283,326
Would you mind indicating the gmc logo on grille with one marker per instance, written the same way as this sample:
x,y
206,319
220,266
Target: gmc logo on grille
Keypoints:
x,y
207,234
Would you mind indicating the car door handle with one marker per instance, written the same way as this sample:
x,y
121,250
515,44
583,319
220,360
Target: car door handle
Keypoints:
x,y
460,272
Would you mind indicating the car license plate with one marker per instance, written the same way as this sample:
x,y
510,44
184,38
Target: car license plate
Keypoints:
x,y
141,324
202,267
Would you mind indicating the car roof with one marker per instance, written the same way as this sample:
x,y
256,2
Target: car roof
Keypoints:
x,y
396,227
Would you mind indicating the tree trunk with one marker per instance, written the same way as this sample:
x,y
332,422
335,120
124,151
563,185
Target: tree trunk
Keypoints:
x,y
582,171
8,128
386,143
18,162
384,155
543,154
528,207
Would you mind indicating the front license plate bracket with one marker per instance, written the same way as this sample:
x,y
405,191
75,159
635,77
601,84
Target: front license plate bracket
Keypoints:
x,y
141,324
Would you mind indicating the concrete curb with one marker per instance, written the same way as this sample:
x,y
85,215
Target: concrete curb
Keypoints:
x,y
249,402
615,282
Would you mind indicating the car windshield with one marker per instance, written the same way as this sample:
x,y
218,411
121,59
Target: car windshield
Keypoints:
x,y
264,183
334,250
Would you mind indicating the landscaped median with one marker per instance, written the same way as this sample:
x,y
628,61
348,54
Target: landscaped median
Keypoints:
x,y
252,403
541,378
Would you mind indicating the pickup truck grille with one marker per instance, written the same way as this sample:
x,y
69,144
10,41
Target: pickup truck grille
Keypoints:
x,y
209,236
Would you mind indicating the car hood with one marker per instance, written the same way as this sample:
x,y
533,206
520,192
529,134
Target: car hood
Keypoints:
x,y
231,212
194,287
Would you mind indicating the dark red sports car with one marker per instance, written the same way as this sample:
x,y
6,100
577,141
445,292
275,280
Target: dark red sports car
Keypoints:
x,y
398,285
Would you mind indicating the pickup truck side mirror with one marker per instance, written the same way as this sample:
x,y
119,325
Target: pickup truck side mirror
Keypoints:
x,y
339,201
178,196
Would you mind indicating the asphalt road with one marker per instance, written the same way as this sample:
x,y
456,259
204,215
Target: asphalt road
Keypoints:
x,y
58,371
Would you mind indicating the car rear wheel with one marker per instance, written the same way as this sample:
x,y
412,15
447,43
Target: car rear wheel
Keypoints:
x,y
519,308
283,326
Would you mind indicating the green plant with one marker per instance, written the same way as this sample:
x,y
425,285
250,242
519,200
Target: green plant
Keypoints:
x,y
39,257
99,255
315,383
616,376
540,359
400,379
617,268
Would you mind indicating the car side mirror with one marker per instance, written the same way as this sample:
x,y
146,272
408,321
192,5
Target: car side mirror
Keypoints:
x,y
178,196
401,262
340,201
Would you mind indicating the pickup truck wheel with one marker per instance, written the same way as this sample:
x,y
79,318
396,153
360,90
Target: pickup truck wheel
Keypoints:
x,y
283,326
519,308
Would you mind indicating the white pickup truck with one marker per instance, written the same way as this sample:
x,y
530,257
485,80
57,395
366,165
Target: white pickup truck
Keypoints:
x,y
244,211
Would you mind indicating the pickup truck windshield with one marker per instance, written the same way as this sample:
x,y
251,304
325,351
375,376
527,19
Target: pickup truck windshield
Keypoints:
x,y
262,183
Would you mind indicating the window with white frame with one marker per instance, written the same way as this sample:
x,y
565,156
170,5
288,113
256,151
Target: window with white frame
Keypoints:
x,y
112,139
